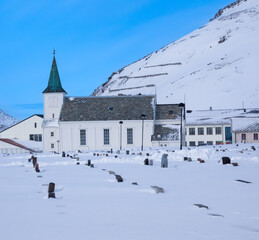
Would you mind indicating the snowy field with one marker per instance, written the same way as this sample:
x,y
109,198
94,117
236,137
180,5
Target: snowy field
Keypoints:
x,y
91,204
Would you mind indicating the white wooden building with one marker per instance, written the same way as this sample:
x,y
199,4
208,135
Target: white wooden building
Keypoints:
x,y
27,129
212,127
104,123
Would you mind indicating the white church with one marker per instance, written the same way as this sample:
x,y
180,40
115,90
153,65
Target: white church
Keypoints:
x,y
105,123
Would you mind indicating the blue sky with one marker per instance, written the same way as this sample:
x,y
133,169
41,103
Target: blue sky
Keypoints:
x,y
92,39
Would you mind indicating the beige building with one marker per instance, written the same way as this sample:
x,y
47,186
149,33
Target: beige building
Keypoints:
x,y
245,130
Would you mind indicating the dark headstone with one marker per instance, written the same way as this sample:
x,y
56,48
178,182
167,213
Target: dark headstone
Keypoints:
x,y
147,154
242,181
226,160
127,152
119,178
134,183
151,162
111,150
201,206
34,161
63,154
37,169
235,164
89,162
185,158
146,161
158,189
51,187
115,156
77,163
92,165
164,161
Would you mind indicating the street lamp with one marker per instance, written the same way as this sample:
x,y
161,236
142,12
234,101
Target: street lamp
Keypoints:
x,y
143,117
181,106
120,122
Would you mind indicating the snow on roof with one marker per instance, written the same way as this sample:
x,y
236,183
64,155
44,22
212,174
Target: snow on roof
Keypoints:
x,y
50,123
213,117
245,124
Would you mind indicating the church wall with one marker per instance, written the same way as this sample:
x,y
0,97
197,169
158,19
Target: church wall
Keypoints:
x,y
70,135
53,104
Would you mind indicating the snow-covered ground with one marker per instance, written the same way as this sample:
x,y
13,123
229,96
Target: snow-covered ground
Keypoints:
x,y
91,204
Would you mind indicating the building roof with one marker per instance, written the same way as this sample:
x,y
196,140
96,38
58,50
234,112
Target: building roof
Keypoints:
x,y
245,124
54,84
215,117
165,132
167,111
107,108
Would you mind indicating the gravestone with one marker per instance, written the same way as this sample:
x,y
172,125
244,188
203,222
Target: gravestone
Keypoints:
x,y
37,169
226,160
164,161
63,154
151,162
89,162
119,178
34,161
51,190
146,161
127,152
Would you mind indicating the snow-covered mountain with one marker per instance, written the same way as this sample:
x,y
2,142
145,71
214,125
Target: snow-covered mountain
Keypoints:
x,y
6,120
216,65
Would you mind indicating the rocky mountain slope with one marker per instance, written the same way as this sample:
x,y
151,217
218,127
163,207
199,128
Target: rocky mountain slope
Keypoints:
x,y
6,120
214,66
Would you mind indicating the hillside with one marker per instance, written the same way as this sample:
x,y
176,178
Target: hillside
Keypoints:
x,y
6,120
215,65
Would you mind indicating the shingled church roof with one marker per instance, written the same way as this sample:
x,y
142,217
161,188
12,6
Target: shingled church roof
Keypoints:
x,y
54,84
107,108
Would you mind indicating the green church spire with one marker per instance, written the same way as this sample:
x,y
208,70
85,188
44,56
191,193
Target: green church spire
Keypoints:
x,y
54,84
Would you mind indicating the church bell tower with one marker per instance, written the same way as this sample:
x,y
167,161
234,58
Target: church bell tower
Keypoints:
x,y
53,100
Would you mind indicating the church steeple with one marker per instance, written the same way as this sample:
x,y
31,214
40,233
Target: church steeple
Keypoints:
x,y
54,84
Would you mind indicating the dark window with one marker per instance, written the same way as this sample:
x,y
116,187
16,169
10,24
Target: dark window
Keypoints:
x,y
52,134
200,143
52,145
35,125
129,136
243,137
35,137
209,131
82,137
192,144
255,136
106,136
218,130
53,115
191,131
200,131
209,142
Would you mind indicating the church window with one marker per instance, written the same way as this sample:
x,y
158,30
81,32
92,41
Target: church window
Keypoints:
x,y
82,137
53,115
52,134
35,125
129,136
52,145
106,136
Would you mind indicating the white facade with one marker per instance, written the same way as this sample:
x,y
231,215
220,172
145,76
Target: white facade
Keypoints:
x,y
206,134
28,129
6,148
94,135
52,107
